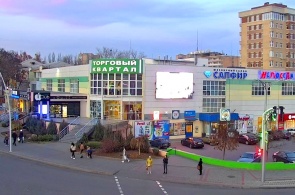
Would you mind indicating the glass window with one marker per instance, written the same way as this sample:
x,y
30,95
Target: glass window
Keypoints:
x,y
132,77
125,76
61,85
118,76
49,84
139,77
288,88
213,88
74,85
258,88
213,104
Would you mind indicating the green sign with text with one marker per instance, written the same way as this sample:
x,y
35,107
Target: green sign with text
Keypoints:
x,y
125,66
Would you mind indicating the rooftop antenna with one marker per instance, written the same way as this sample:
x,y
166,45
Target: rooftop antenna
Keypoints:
x,y
195,56
130,49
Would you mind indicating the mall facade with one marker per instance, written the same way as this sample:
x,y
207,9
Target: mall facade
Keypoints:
x,y
187,97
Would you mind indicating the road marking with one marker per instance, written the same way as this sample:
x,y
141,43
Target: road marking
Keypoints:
x,y
161,187
118,185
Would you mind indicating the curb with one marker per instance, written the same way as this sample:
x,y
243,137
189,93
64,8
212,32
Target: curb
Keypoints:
x,y
60,165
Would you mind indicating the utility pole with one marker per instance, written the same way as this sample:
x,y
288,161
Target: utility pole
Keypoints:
x,y
7,95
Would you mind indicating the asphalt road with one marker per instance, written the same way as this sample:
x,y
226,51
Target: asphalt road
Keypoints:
x,y
19,176
234,155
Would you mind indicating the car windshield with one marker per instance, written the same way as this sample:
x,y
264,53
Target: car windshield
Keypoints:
x,y
291,154
247,155
196,139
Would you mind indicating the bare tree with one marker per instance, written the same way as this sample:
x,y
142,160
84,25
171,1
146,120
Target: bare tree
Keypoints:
x,y
226,140
10,65
107,52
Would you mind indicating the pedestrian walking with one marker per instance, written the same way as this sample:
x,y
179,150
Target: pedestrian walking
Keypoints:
x,y
14,137
200,166
165,163
124,156
149,164
82,148
73,150
89,152
21,136
6,139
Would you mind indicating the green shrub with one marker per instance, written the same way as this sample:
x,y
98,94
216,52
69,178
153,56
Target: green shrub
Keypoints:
x,y
133,144
108,145
52,128
62,125
36,126
42,138
108,133
144,144
156,151
94,144
120,140
128,141
84,139
98,133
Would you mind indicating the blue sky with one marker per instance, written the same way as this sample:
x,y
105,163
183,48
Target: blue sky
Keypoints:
x,y
155,27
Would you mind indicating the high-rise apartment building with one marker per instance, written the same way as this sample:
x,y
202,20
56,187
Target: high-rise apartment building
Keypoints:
x,y
268,37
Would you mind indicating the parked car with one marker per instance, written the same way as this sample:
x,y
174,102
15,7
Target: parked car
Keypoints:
x,y
286,134
292,131
160,143
209,139
192,142
274,135
250,157
248,138
284,156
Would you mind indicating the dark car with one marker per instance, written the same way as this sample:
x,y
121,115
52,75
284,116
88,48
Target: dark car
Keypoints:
x,y
160,143
192,142
248,139
284,156
286,134
274,135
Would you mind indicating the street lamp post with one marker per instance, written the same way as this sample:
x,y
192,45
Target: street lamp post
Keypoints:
x,y
7,94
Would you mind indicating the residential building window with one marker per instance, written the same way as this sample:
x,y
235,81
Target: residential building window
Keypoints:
x,y
74,85
61,85
288,88
213,88
270,53
271,44
258,88
271,63
49,84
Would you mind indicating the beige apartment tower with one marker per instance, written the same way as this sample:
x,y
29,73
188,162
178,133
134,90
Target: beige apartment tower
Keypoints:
x,y
268,37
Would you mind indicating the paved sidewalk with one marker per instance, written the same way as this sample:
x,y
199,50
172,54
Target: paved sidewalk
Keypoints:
x,y
180,170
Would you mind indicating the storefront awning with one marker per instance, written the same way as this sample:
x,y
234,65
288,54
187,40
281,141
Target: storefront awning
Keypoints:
x,y
214,117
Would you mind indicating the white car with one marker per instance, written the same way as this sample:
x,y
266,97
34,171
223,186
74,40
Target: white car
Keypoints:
x,y
292,131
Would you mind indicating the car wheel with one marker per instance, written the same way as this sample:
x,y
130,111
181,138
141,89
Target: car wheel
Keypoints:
x,y
247,143
275,159
181,143
159,146
191,146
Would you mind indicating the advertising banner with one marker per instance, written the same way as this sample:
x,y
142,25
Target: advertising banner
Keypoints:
x,y
161,129
142,128
126,66
188,129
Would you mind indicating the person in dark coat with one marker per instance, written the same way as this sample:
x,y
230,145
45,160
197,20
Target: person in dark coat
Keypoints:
x,y
165,163
14,137
21,136
200,164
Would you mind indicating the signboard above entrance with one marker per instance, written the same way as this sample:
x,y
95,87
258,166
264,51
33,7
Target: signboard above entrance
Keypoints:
x,y
125,66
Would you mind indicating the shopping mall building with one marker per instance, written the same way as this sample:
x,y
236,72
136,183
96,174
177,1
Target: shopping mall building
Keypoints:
x,y
188,97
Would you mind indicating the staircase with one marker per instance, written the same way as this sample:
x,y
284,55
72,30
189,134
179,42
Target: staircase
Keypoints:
x,y
70,136
83,125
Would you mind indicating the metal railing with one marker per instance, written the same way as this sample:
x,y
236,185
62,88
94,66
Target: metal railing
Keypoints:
x,y
65,130
83,130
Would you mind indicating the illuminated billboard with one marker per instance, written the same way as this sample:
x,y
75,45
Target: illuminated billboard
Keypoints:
x,y
174,85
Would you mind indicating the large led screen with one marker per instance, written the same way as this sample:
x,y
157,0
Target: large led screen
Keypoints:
x,y
174,85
